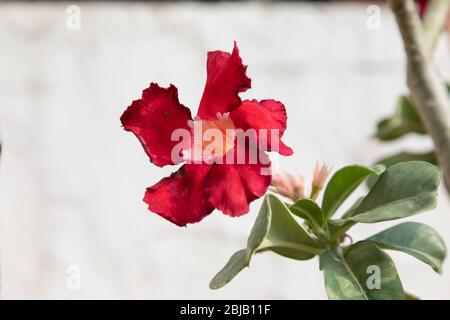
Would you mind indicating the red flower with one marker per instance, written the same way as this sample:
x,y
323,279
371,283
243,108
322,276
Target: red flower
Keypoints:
x,y
422,7
226,183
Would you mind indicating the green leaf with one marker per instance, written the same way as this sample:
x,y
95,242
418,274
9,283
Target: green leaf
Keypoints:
x,y
410,296
405,120
415,239
237,262
354,208
276,230
403,157
353,276
342,184
409,156
338,227
403,190
261,227
309,210
285,236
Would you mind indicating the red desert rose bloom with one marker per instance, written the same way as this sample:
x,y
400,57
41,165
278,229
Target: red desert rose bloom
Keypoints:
x,y
422,7
196,189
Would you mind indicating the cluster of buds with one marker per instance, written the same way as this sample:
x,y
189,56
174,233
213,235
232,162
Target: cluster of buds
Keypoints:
x,y
288,185
292,186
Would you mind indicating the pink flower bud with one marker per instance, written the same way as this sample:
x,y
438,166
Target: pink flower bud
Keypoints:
x,y
320,176
298,184
289,186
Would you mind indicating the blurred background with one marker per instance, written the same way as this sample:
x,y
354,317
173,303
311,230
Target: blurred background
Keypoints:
x,y
72,180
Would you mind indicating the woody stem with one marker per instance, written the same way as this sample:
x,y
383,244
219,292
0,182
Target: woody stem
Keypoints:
x,y
428,90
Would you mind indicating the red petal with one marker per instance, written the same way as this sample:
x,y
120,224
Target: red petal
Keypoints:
x,y
180,198
265,114
153,119
225,79
422,7
231,187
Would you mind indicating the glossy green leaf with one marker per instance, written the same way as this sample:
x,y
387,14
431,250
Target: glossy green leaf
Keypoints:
x,y
261,227
405,120
285,236
237,262
354,208
403,190
309,210
276,230
415,239
403,157
354,276
342,184
392,198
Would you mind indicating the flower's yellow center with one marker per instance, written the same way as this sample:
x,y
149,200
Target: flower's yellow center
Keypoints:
x,y
212,138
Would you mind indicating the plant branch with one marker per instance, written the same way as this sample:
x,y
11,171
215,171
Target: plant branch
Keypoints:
x,y
434,20
428,90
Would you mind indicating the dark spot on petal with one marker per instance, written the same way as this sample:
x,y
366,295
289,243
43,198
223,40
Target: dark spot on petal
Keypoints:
x,y
179,174
166,114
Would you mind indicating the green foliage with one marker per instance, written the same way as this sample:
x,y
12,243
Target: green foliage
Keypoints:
x,y
342,184
408,156
405,120
276,230
415,239
348,277
403,190
362,270
403,157
309,210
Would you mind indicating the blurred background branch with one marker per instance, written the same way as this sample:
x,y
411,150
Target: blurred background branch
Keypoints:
x,y
427,88
434,19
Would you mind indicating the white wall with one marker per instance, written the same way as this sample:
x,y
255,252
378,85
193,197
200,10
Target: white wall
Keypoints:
x,y
72,180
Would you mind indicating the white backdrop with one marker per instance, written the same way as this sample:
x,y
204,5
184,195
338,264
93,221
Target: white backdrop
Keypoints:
x,y
72,180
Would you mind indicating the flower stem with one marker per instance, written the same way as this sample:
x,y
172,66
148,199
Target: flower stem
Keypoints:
x,y
314,192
